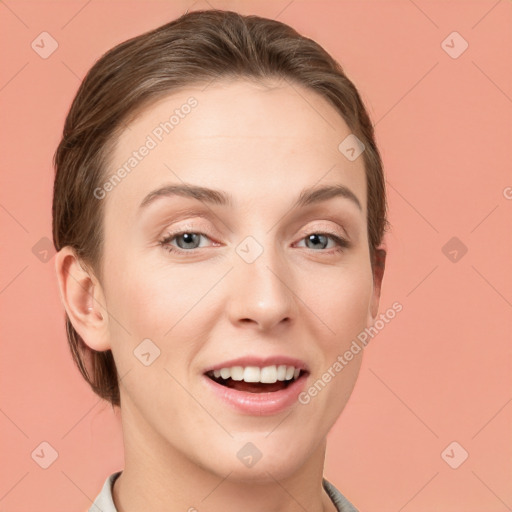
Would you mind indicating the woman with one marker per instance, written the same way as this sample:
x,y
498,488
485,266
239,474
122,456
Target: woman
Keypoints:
x,y
219,211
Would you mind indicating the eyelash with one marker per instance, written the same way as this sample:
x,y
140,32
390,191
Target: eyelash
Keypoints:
x,y
165,242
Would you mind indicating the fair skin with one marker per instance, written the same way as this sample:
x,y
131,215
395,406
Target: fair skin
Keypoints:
x,y
263,145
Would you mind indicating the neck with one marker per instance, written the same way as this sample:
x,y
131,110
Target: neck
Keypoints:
x,y
160,476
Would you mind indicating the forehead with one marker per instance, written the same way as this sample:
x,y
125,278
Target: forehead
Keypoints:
x,y
260,143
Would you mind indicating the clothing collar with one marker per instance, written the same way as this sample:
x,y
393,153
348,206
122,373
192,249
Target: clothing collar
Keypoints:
x,y
105,503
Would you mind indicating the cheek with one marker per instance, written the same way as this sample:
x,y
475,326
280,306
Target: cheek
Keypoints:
x,y
156,302
340,300
151,303
145,294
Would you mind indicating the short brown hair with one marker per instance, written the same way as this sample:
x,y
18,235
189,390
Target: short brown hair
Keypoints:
x,y
197,47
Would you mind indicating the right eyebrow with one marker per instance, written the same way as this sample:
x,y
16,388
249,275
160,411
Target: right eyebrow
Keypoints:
x,y
207,195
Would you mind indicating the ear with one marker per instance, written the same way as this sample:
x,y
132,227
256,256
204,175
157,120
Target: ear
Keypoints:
x,y
83,299
379,264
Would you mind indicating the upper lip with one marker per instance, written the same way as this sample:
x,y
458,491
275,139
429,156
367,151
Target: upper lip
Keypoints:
x,y
260,362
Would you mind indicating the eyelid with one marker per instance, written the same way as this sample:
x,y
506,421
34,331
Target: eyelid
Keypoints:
x,y
188,226
191,226
341,242
327,229
169,235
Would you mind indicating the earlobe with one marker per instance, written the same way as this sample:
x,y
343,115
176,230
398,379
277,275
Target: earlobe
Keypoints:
x,y
379,264
83,299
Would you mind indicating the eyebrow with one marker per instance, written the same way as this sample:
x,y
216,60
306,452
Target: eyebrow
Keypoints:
x,y
307,197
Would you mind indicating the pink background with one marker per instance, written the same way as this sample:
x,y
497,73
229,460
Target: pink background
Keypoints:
x,y
439,372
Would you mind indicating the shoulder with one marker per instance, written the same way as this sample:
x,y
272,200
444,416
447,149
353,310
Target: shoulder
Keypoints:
x,y
341,503
104,501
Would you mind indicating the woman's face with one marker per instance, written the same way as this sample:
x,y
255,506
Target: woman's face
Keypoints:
x,y
261,277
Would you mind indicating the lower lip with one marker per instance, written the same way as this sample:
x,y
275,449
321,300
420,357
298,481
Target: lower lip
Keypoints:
x,y
259,404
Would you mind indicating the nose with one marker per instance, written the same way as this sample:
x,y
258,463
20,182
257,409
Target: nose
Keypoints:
x,y
261,292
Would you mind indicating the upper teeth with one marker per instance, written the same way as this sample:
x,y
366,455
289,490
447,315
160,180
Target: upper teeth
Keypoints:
x,y
266,375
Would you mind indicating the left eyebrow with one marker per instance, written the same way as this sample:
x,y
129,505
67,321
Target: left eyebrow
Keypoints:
x,y
316,195
307,197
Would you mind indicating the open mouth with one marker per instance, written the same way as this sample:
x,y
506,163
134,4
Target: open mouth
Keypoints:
x,y
256,380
